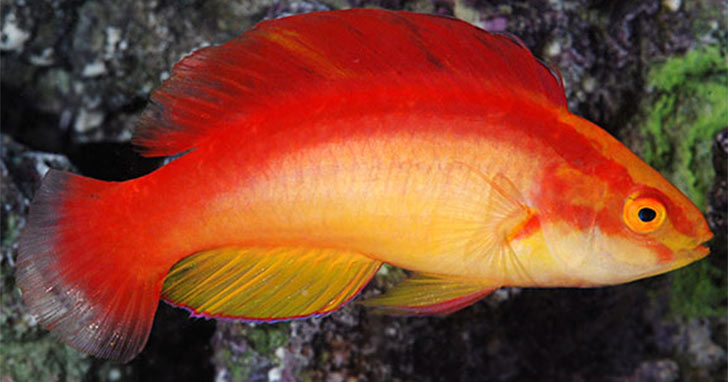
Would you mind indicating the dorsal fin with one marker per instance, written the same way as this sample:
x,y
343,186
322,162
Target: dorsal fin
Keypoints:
x,y
336,53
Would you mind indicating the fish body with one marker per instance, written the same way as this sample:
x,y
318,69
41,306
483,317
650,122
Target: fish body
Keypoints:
x,y
411,140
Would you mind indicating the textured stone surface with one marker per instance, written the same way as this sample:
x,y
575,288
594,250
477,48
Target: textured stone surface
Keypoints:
x,y
77,74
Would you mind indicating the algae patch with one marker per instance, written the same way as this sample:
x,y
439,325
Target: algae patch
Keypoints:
x,y
688,108
28,353
247,351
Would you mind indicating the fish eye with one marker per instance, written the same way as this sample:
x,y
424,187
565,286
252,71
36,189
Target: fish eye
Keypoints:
x,y
647,214
643,214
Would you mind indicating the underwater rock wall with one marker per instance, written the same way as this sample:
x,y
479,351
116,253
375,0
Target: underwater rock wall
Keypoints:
x,y
77,74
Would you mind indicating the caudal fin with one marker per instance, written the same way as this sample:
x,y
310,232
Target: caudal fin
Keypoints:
x,y
74,269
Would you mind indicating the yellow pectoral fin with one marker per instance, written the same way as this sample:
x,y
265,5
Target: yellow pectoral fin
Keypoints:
x,y
509,215
267,284
422,294
501,215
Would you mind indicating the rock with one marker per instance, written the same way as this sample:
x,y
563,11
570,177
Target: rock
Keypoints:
x,y
701,349
718,197
656,371
13,37
27,353
672,5
76,76
111,51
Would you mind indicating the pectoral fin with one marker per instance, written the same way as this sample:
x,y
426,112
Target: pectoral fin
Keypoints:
x,y
421,294
500,215
267,284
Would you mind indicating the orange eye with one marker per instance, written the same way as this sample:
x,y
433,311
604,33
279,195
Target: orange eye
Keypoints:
x,y
644,215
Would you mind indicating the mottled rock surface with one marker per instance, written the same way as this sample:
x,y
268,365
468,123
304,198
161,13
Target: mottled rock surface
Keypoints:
x,y
77,74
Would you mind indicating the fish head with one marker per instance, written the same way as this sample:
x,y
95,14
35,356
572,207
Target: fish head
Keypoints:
x,y
615,219
646,232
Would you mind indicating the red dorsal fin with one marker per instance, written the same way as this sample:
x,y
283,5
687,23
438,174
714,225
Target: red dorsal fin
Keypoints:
x,y
301,57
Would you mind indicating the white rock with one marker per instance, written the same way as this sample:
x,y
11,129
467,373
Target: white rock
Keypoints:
x,y
672,5
94,69
113,36
553,48
13,38
114,374
222,376
589,84
87,120
45,58
31,319
275,374
280,353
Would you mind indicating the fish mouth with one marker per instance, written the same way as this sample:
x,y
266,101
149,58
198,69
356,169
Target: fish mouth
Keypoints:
x,y
682,258
687,256
701,249
698,252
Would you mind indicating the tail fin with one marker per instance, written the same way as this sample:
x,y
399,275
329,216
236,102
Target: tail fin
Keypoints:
x,y
76,272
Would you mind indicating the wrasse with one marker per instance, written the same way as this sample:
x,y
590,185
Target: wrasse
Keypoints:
x,y
319,147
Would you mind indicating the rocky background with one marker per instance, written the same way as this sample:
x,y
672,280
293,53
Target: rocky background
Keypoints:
x,y
77,74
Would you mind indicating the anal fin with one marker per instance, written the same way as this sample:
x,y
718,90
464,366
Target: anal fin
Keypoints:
x,y
421,295
267,284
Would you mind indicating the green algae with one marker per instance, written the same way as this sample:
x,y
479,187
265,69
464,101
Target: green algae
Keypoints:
x,y
42,359
695,291
689,107
266,339
248,351
28,353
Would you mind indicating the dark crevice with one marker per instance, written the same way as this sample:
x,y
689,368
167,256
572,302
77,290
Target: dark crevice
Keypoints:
x,y
111,161
28,125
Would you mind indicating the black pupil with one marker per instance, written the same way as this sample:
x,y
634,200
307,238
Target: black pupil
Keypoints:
x,y
647,214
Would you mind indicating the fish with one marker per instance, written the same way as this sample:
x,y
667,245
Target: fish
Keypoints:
x,y
313,149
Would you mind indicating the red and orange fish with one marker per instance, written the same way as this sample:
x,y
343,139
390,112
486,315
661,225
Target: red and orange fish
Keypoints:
x,y
318,148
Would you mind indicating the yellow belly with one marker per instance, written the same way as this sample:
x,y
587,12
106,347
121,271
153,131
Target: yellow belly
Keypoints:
x,y
417,201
